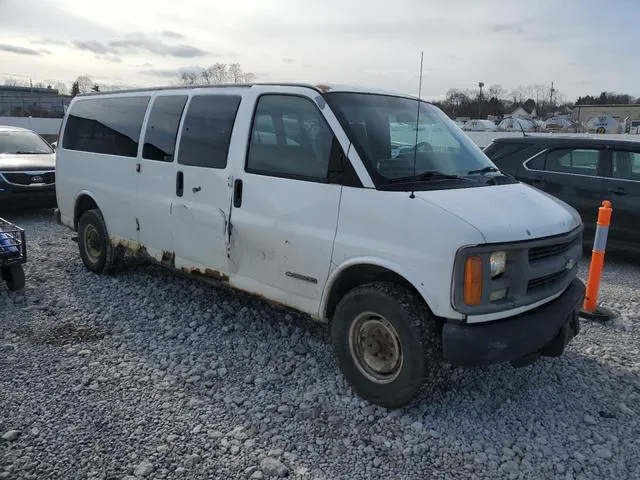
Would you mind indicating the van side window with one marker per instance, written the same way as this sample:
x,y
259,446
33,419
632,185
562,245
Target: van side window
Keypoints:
x,y
289,138
162,128
206,131
109,126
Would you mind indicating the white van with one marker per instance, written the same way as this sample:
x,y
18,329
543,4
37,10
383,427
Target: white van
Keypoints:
x,y
336,202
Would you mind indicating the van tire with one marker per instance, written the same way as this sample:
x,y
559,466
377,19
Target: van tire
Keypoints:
x,y
96,251
365,312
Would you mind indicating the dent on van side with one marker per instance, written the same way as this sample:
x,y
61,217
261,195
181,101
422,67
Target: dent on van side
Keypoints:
x,y
367,210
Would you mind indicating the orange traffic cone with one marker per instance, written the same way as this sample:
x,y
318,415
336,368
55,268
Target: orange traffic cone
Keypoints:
x,y
590,309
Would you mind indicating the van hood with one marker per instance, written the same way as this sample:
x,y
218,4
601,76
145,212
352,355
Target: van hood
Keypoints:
x,y
506,213
45,161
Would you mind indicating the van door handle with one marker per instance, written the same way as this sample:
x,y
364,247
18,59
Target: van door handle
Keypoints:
x,y
237,193
196,189
618,191
179,184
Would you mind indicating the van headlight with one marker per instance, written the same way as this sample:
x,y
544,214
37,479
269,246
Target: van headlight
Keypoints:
x,y
498,263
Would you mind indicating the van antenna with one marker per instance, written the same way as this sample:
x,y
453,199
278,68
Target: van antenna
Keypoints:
x,y
415,147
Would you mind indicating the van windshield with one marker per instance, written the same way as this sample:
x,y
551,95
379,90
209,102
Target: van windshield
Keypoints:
x,y
383,130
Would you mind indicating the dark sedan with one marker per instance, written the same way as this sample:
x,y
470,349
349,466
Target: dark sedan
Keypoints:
x,y
27,169
582,172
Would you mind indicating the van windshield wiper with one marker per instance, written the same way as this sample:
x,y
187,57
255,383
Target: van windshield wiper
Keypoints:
x,y
426,176
484,170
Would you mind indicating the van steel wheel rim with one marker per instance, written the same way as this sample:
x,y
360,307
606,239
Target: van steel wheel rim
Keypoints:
x,y
375,348
92,243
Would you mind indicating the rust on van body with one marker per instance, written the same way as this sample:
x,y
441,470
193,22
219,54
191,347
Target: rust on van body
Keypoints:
x,y
207,273
168,258
131,245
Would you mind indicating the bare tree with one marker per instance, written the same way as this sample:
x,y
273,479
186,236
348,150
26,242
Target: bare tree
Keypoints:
x,y
61,87
14,82
496,91
188,78
85,84
235,73
217,74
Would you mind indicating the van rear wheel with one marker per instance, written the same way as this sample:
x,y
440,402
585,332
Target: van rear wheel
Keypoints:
x,y
385,341
96,251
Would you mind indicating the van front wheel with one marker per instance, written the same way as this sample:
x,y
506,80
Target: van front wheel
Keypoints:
x,y
385,341
96,251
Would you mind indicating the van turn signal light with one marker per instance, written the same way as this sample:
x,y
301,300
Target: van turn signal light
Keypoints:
x,y
473,281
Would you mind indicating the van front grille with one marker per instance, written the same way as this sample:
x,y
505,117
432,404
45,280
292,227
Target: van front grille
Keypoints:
x,y
547,251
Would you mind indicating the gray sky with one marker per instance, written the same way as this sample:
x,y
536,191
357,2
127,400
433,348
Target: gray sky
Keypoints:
x,y
581,45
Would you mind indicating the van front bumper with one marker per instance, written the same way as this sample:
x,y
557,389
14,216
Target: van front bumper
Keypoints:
x,y
544,331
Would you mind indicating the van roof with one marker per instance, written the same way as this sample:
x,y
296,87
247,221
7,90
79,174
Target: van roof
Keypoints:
x,y
320,88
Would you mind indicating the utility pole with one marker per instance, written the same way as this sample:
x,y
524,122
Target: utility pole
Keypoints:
x,y
480,84
551,99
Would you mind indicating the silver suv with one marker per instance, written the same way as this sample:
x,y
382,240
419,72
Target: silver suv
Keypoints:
x,y
27,169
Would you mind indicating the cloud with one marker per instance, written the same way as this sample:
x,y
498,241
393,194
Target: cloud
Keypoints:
x,y
109,58
172,34
513,28
45,51
137,44
93,46
379,29
47,41
143,44
49,20
18,50
170,72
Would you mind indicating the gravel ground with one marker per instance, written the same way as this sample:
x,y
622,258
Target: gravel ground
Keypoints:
x,y
149,375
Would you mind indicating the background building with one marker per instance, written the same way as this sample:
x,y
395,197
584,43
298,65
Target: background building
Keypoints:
x,y
582,113
31,101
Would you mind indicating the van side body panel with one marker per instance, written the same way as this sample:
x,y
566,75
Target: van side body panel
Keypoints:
x,y
373,227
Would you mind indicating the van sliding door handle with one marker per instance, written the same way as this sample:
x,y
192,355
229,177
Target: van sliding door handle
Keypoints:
x,y
237,193
179,184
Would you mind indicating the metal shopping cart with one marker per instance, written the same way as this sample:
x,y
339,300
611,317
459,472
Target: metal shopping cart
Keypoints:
x,y
13,253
